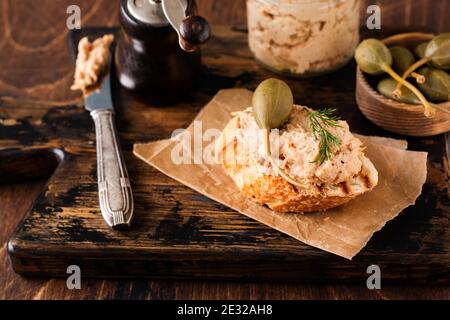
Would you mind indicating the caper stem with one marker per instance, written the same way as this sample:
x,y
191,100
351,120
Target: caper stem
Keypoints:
x,y
419,78
280,171
429,111
411,69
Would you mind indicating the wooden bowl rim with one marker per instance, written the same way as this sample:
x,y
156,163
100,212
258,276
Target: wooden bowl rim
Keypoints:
x,y
419,36
416,108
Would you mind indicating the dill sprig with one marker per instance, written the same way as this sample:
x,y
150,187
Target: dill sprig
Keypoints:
x,y
318,121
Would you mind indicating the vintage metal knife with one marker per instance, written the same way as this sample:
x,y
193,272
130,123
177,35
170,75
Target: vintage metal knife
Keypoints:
x,y
115,194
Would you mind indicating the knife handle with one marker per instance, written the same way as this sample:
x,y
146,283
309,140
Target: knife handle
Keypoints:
x,y
115,194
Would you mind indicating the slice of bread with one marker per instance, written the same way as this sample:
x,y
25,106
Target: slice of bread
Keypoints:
x,y
268,188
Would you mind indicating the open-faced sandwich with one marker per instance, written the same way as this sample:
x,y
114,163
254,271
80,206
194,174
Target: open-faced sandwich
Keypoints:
x,y
312,162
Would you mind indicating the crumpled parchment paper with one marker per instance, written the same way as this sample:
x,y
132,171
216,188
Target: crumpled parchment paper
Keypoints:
x,y
343,231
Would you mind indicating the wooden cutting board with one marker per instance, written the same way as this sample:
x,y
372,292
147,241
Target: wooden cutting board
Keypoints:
x,y
178,233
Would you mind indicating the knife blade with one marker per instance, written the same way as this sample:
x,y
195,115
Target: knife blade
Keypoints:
x,y
101,99
114,189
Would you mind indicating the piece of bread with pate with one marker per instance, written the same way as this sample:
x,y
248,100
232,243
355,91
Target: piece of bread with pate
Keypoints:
x,y
325,184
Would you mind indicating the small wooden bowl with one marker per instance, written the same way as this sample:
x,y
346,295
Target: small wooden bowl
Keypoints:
x,y
401,118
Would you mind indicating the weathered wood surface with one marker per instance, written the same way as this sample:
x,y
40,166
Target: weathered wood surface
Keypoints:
x,y
181,234
17,198
37,29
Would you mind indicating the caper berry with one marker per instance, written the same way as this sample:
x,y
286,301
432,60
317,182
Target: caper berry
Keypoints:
x,y
437,84
372,56
438,50
419,51
402,58
387,87
272,104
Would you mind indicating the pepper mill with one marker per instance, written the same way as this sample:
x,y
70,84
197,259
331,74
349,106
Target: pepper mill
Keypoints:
x,y
158,51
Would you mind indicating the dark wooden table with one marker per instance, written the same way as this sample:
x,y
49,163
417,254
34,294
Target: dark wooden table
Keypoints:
x,y
36,66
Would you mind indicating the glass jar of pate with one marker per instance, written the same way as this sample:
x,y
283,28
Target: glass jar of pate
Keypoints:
x,y
303,37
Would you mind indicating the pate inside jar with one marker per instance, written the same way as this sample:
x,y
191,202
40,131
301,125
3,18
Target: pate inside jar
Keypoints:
x,y
303,37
